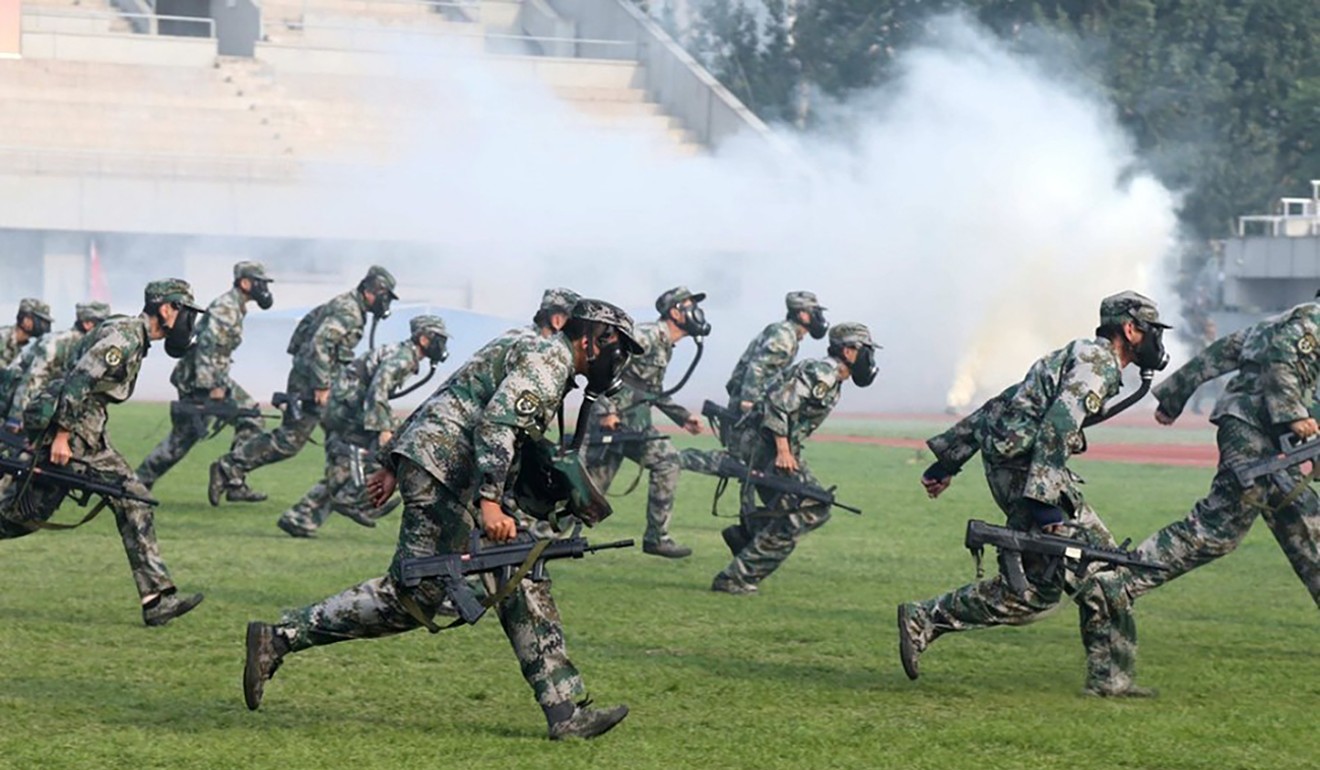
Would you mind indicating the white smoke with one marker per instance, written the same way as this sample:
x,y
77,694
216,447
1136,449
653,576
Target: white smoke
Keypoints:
x,y
972,214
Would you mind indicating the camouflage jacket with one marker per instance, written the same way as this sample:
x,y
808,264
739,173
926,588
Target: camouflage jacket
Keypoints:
x,y
219,333
797,402
360,398
105,372
1037,424
767,355
9,346
1277,363
644,379
330,345
45,359
467,432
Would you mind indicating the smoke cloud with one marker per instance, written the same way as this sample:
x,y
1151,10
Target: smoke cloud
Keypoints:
x,y
973,214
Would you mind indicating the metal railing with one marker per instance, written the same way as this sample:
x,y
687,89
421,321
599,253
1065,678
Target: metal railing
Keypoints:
x,y
149,21
68,162
1279,225
625,49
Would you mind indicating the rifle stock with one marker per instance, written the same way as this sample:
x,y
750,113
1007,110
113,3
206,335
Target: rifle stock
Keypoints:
x,y
294,406
450,569
79,486
1293,451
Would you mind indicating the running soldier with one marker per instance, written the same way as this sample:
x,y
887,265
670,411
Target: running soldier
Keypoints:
x,y
1025,436
458,447
203,374
771,439
67,423
643,388
44,360
321,345
358,422
33,320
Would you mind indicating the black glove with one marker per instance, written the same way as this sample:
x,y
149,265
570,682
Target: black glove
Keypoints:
x,y
938,471
1044,515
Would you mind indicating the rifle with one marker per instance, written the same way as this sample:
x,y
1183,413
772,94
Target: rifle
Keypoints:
x,y
11,440
524,557
80,487
225,411
1293,451
294,406
612,437
783,485
1012,543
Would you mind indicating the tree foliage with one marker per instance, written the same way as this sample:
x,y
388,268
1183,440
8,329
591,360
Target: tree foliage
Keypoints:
x,y
1221,97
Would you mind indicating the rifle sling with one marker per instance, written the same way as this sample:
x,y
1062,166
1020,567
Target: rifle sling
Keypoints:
x,y
410,604
96,509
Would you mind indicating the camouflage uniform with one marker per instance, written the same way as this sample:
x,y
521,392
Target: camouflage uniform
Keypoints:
x,y
203,369
1025,436
1277,362
642,380
455,448
794,406
45,359
323,344
772,351
358,411
105,373
10,346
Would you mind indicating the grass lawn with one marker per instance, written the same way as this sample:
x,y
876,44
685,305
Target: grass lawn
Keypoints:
x,y
805,675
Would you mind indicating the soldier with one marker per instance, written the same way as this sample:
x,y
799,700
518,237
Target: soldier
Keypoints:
x,y
643,387
793,407
321,345
67,422
358,422
551,316
1277,365
456,448
46,359
1025,436
33,321
203,373
765,357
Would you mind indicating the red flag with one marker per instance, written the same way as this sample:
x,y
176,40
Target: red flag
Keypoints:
x,y
98,289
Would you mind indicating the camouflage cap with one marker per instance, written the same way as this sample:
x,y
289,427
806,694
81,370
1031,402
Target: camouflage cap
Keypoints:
x,y
851,334
174,290
1129,306
676,295
34,306
253,270
559,300
91,311
431,325
600,311
379,278
802,300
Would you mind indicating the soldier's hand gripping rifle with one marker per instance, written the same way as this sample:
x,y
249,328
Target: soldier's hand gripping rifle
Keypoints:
x,y
79,487
1012,543
731,468
225,411
1293,451
524,557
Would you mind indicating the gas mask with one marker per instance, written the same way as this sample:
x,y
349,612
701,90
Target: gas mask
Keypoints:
x,y
39,325
1150,354
693,320
864,368
182,335
606,363
817,326
380,308
437,349
260,294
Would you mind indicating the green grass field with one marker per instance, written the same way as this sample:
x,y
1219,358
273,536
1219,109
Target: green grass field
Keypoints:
x,y
805,675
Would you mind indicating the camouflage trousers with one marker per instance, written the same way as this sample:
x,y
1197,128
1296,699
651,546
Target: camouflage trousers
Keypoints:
x,y
186,431
774,529
1218,522
266,448
338,491
660,458
705,461
436,521
1108,628
24,508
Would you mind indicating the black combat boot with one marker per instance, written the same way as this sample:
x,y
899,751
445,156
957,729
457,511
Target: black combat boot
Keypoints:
x,y
167,607
581,720
265,652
